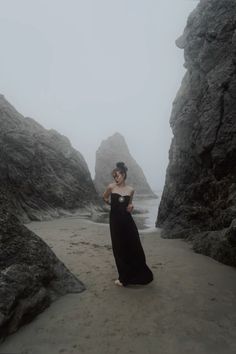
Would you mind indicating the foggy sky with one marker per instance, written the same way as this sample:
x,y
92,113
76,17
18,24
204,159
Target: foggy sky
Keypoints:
x,y
90,68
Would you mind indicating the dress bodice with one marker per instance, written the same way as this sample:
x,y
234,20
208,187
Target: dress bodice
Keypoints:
x,y
119,202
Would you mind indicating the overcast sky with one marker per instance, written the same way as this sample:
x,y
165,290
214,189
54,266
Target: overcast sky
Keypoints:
x,y
90,68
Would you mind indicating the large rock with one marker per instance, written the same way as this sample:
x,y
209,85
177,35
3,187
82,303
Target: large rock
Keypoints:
x,y
220,244
113,150
200,188
43,174
31,276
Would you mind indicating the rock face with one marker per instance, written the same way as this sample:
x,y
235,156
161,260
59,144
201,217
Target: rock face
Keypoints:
x,y
41,176
199,197
31,276
112,150
40,170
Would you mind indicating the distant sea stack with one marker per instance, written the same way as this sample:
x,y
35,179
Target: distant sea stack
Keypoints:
x,y
199,197
42,175
112,150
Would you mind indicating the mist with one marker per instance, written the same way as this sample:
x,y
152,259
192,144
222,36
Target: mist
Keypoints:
x,y
89,69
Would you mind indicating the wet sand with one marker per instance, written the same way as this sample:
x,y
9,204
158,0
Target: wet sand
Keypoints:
x,y
189,308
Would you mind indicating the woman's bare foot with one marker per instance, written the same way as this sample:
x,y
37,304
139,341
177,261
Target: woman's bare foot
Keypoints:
x,y
117,282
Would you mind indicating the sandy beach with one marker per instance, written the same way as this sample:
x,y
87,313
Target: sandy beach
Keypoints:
x,y
190,306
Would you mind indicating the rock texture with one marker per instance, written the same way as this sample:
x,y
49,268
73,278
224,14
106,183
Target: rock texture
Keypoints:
x,y
41,176
199,197
31,276
41,172
112,150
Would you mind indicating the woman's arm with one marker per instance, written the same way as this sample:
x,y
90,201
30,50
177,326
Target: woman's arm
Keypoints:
x,y
107,194
130,206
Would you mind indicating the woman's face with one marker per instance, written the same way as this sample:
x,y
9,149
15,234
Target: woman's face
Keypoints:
x,y
119,178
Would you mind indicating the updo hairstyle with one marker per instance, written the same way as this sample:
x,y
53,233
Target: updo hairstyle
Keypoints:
x,y
121,168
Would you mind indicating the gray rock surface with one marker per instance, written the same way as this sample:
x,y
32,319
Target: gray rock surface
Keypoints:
x,y
31,276
220,244
112,150
200,188
43,174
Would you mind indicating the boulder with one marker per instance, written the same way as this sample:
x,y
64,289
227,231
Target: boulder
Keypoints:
x,y
31,276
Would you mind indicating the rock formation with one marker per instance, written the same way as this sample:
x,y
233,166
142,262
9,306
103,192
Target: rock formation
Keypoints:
x,y
31,276
199,197
112,150
43,174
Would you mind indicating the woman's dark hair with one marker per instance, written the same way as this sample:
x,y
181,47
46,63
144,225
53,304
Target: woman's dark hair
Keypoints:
x,y
120,167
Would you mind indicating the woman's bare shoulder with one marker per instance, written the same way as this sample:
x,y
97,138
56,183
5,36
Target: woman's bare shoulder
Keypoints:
x,y
111,186
131,189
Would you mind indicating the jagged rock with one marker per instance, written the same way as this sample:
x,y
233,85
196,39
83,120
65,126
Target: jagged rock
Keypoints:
x,y
220,245
41,172
112,150
31,276
200,188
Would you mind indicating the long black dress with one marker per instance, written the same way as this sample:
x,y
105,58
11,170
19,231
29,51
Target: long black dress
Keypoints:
x,y
127,248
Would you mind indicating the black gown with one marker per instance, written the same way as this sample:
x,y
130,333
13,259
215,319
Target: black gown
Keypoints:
x,y
127,248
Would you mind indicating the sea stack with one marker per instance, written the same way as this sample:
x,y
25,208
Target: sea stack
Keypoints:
x,y
112,150
199,196
42,174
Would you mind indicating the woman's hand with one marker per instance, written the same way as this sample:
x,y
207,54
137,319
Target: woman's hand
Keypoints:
x,y
130,208
107,201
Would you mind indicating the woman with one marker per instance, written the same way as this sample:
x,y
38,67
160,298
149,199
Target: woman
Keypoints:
x,y
127,249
